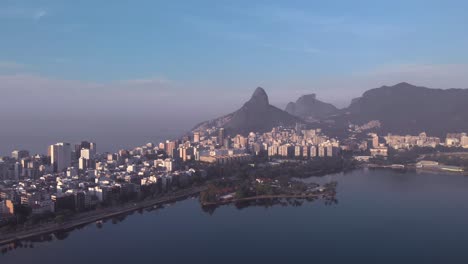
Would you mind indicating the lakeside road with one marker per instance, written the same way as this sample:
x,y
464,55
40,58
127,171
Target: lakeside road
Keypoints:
x,y
93,216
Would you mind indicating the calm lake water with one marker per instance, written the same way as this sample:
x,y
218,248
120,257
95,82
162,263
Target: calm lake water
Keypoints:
x,y
381,217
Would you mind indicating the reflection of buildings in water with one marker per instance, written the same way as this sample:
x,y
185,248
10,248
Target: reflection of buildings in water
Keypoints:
x,y
15,245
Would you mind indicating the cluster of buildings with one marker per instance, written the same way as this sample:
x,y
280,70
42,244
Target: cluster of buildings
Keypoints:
x,y
300,144
409,141
456,140
279,142
422,140
364,149
79,179
377,148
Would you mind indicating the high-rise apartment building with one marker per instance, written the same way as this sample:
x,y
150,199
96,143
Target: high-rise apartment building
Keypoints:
x,y
313,151
91,146
19,154
374,140
196,137
170,147
60,156
86,154
221,136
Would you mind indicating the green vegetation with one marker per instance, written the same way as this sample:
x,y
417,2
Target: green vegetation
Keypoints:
x,y
210,195
271,179
303,169
411,156
452,159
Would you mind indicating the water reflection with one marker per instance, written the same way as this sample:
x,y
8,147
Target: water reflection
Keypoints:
x,y
328,199
374,205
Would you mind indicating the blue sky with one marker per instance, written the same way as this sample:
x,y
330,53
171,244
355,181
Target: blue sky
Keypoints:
x,y
336,49
125,72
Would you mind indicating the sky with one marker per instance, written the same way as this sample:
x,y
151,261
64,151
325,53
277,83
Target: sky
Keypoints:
x,y
91,67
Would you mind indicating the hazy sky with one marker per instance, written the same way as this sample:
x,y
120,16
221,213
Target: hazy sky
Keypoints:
x,y
175,63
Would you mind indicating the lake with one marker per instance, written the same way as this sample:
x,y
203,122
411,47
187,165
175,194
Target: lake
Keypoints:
x,y
382,216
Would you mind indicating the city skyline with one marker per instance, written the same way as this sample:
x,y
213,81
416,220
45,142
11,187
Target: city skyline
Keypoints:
x,y
31,133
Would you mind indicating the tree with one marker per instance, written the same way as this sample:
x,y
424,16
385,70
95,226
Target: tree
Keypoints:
x,y
22,212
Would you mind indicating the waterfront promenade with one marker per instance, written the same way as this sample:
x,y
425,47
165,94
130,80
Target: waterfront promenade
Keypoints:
x,y
93,216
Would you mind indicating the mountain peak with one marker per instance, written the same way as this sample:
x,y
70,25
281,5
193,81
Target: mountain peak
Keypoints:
x,y
404,84
259,97
308,97
309,108
406,109
256,115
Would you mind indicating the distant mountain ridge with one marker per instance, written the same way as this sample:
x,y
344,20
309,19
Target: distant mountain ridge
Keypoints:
x,y
309,108
256,115
408,109
401,109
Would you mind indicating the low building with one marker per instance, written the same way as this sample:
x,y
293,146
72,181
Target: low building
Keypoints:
x,y
379,152
226,159
427,163
362,158
464,141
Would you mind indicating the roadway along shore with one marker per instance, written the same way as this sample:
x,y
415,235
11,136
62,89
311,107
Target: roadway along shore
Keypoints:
x,y
94,216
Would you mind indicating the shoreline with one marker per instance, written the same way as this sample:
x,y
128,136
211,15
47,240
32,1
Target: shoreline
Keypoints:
x,y
86,218
413,167
111,212
266,197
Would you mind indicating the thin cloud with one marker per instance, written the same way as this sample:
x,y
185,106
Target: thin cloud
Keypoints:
x,y
39,14
305,50
292,16
230,32
23,13
302,22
